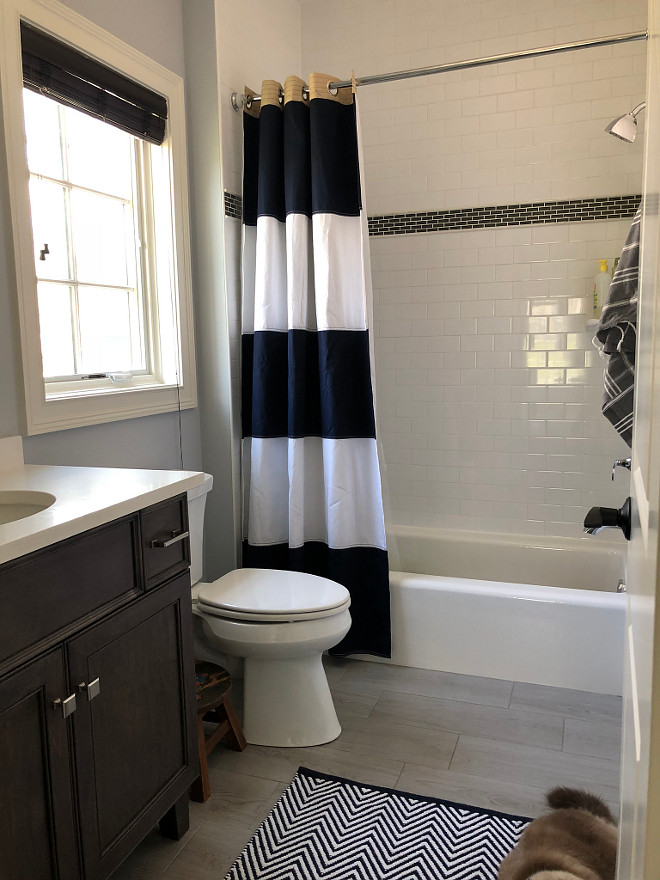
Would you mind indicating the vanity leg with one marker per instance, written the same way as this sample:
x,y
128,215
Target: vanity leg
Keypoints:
x,y
174,823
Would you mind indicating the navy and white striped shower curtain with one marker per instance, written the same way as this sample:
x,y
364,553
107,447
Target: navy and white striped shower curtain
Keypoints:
x,y
312,490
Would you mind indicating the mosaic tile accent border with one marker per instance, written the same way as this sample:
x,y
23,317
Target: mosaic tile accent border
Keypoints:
x,y
570,210
233,206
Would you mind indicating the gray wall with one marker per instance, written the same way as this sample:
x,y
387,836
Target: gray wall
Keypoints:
x,y
150,26
10,375
207,232
155,28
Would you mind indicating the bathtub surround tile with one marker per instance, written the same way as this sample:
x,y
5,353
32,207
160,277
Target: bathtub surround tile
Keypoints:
x,y
574,210
510,725
491,216
526,349
569,703
233,205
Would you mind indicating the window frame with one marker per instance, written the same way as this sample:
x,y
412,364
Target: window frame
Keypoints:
x,y
93,401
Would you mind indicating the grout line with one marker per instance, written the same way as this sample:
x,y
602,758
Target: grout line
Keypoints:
x,y
403,767
454,751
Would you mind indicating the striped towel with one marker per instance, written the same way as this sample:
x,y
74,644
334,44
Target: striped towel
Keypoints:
x,y
616,336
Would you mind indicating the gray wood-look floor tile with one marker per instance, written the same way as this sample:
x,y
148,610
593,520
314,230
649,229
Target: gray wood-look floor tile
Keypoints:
x,y
335,667
154,855
378,677
210,852
480,791
236,798
281,764
569,703
598,738
540,768
526,728
385,737
351,705
472,740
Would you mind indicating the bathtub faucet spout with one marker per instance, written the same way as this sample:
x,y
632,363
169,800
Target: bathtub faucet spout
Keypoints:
x,y
600,518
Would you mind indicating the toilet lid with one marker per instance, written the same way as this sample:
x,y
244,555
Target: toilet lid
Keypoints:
x,y
272,594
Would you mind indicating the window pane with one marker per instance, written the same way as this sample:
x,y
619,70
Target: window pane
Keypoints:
x,y
42,131
104,242
109,332
100,155
48,207
56,332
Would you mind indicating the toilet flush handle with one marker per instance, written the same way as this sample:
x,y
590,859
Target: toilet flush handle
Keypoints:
x,y
167,542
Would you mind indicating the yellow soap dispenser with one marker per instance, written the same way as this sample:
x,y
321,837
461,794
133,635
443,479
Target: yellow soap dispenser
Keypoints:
x,y
601,287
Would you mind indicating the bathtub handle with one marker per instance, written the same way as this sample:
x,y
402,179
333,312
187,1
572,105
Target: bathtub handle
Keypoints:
x,y
600,518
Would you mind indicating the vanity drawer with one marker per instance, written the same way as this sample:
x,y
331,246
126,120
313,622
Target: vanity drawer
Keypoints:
x,y
43,592
165,541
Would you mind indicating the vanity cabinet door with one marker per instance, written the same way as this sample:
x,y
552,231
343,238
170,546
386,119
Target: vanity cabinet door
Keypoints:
x,y
37,836
134,728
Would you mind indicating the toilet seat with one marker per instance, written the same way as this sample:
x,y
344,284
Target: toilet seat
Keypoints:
x,y
272,596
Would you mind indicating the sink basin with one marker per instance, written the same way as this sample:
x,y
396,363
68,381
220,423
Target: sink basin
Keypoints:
x,y
19,504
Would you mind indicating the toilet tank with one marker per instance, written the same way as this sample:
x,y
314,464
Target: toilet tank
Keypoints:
x,y
196,505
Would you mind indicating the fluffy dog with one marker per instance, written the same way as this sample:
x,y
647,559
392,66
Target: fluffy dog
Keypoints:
x,y
576,841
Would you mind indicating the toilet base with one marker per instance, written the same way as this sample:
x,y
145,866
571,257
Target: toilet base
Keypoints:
x,y
287,702
206,651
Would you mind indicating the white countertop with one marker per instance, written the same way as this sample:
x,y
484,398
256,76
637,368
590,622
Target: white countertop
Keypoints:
x,y
85,498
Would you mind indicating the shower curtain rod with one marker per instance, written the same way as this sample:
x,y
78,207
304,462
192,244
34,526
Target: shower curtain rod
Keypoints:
x,y
238,101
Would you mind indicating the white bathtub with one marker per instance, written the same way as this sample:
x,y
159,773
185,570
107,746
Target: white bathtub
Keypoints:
x,y
519,608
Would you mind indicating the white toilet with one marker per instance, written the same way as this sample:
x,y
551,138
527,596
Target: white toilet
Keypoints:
x,y
280,622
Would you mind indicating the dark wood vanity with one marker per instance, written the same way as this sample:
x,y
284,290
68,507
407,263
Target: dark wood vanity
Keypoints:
x,y
97,693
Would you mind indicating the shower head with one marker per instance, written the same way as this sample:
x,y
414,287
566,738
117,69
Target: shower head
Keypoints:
x,y
625,127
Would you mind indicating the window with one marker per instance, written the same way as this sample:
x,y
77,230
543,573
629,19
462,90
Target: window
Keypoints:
x,y
100,225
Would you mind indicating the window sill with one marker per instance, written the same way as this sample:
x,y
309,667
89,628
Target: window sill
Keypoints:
x,y
96,407
66,390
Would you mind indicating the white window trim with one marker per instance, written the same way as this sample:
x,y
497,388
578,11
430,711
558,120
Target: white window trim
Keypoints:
x,y
92,407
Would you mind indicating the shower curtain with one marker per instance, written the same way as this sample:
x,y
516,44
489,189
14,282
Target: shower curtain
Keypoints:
x,y
311,480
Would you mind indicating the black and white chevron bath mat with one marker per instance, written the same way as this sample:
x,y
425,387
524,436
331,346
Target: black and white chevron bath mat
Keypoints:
x,y
328,828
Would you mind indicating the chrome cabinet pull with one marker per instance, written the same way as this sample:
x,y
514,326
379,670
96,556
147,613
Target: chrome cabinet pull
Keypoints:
x,y
68,705
167,542
93,688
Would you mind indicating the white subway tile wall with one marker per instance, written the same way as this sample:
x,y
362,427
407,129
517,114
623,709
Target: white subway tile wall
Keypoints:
x,y
488,385
489,391
525,131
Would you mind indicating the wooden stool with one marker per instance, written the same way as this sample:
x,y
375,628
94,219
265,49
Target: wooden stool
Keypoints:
x,y
212,690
